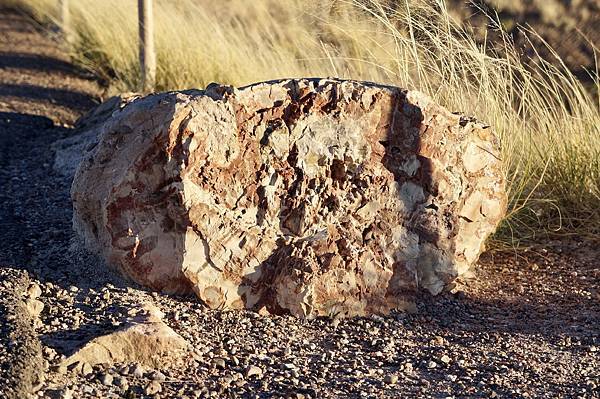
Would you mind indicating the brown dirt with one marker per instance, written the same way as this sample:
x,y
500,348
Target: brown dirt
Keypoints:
x,y
525,324
36,77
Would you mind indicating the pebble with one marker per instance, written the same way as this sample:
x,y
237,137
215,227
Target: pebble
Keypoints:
x,y
218,362
390,379
445,359
153,388
253,370
106,379
34,307
136,370
158,376
121,382
87,389
34,291
431,364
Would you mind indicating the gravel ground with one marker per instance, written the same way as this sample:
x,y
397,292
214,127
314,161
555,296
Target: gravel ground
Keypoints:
x,y
523,325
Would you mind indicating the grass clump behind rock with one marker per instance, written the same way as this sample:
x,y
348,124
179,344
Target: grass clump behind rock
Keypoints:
x,y
548,122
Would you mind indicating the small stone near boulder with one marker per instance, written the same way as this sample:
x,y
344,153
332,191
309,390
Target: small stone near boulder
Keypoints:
x,y
315,197
145,339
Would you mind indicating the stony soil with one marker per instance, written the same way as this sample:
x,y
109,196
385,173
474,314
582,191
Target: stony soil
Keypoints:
x,y
524,325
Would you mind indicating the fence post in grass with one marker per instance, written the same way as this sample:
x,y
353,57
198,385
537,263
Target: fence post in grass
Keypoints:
x,y
65,20
146,43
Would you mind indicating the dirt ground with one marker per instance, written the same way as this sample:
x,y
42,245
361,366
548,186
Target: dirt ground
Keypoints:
x,y
526,324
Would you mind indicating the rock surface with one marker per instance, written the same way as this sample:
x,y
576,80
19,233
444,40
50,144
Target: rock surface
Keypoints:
x,y
69,151
145,340
313,197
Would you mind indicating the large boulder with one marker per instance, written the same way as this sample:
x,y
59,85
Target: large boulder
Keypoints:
x,y
314,197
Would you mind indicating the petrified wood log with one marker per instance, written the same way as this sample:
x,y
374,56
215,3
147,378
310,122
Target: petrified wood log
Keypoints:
x,y
314,197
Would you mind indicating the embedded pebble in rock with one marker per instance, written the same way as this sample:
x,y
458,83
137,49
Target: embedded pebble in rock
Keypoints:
x,y
342,197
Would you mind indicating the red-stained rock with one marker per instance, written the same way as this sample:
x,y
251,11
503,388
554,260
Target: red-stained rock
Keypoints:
x,y
317,197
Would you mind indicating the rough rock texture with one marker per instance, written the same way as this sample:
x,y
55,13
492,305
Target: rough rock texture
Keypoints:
x,y
146,340
315,197
69,151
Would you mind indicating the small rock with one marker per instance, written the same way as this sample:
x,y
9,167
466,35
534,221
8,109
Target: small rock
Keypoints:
x,y
106,379
431,364
219,363
87,389
253,370
445,359
158,376
335,322
121,382
59,394
34,307
408,368
153,388
390,379
136,370
34,291
144,339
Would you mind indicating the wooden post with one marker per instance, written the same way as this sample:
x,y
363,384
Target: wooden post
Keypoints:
x,y
65,20
147,54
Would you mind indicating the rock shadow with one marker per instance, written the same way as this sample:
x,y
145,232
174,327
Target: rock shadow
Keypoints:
x,y
37,62
65,98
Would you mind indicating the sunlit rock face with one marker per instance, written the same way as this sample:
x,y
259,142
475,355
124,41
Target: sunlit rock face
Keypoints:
x,y
313,197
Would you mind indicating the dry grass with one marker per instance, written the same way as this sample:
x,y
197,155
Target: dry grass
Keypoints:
x,y
548,123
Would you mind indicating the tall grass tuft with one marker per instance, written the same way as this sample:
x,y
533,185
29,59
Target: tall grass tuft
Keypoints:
x,y
548,123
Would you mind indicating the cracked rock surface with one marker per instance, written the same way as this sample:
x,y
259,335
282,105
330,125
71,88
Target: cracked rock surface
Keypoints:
x,y
313,197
